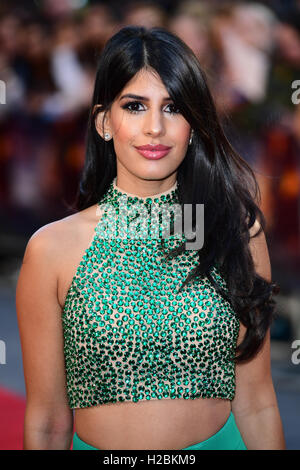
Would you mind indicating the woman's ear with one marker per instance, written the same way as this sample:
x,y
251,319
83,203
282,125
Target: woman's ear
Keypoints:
x,y
100,120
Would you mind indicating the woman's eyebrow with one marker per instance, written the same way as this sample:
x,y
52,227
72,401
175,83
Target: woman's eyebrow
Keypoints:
x,y
144,98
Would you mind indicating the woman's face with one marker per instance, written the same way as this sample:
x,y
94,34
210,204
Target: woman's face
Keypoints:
x,y
147,120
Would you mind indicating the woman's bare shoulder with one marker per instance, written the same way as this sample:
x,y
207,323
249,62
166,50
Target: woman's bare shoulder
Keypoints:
x,y
53,238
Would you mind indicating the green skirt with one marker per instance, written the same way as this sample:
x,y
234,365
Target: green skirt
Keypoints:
x,y
227,438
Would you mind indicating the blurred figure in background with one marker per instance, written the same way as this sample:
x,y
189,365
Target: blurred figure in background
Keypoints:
x,y
243,40
280,159
144,13
97,25
191,23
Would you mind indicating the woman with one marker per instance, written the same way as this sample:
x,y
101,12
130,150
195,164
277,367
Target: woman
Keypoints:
x,y
139,336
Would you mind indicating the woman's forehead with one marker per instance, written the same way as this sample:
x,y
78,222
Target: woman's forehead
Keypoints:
x,y
145,83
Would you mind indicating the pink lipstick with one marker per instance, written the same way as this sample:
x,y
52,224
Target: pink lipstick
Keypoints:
x,y
153,152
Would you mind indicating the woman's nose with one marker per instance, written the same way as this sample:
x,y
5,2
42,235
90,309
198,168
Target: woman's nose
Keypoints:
x,y
154,122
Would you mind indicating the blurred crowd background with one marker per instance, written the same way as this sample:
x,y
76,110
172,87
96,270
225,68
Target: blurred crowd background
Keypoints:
x,y
250,52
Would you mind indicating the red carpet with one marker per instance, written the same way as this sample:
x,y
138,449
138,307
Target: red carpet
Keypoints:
x,y
12,411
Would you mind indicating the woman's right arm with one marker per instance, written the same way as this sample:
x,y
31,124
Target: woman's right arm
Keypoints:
x,y
48,420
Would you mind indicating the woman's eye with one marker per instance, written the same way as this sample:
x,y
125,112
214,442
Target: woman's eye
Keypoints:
x,y
174,108
131,107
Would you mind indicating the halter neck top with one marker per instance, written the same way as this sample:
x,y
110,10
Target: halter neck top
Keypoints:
x,y
129,334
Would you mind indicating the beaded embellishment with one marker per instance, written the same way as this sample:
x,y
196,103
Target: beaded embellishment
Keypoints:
x,y
130,336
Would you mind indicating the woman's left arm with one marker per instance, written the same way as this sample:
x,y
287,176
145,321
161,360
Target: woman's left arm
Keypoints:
x,y
255,405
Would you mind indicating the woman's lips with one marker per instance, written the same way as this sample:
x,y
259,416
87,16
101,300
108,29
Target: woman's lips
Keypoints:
x,y
153,154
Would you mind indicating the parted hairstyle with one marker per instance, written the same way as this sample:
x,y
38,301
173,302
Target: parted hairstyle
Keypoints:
x,y
212,172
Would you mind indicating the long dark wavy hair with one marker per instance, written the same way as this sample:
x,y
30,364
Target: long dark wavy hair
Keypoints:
x,y
212,172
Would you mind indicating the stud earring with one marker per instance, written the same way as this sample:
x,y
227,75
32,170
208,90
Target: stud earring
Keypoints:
x,y
106,136
191,138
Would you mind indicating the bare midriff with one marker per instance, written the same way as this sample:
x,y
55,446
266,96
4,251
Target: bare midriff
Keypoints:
x,y
154,424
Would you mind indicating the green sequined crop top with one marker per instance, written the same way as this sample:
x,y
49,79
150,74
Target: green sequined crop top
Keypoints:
x,y
128,334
